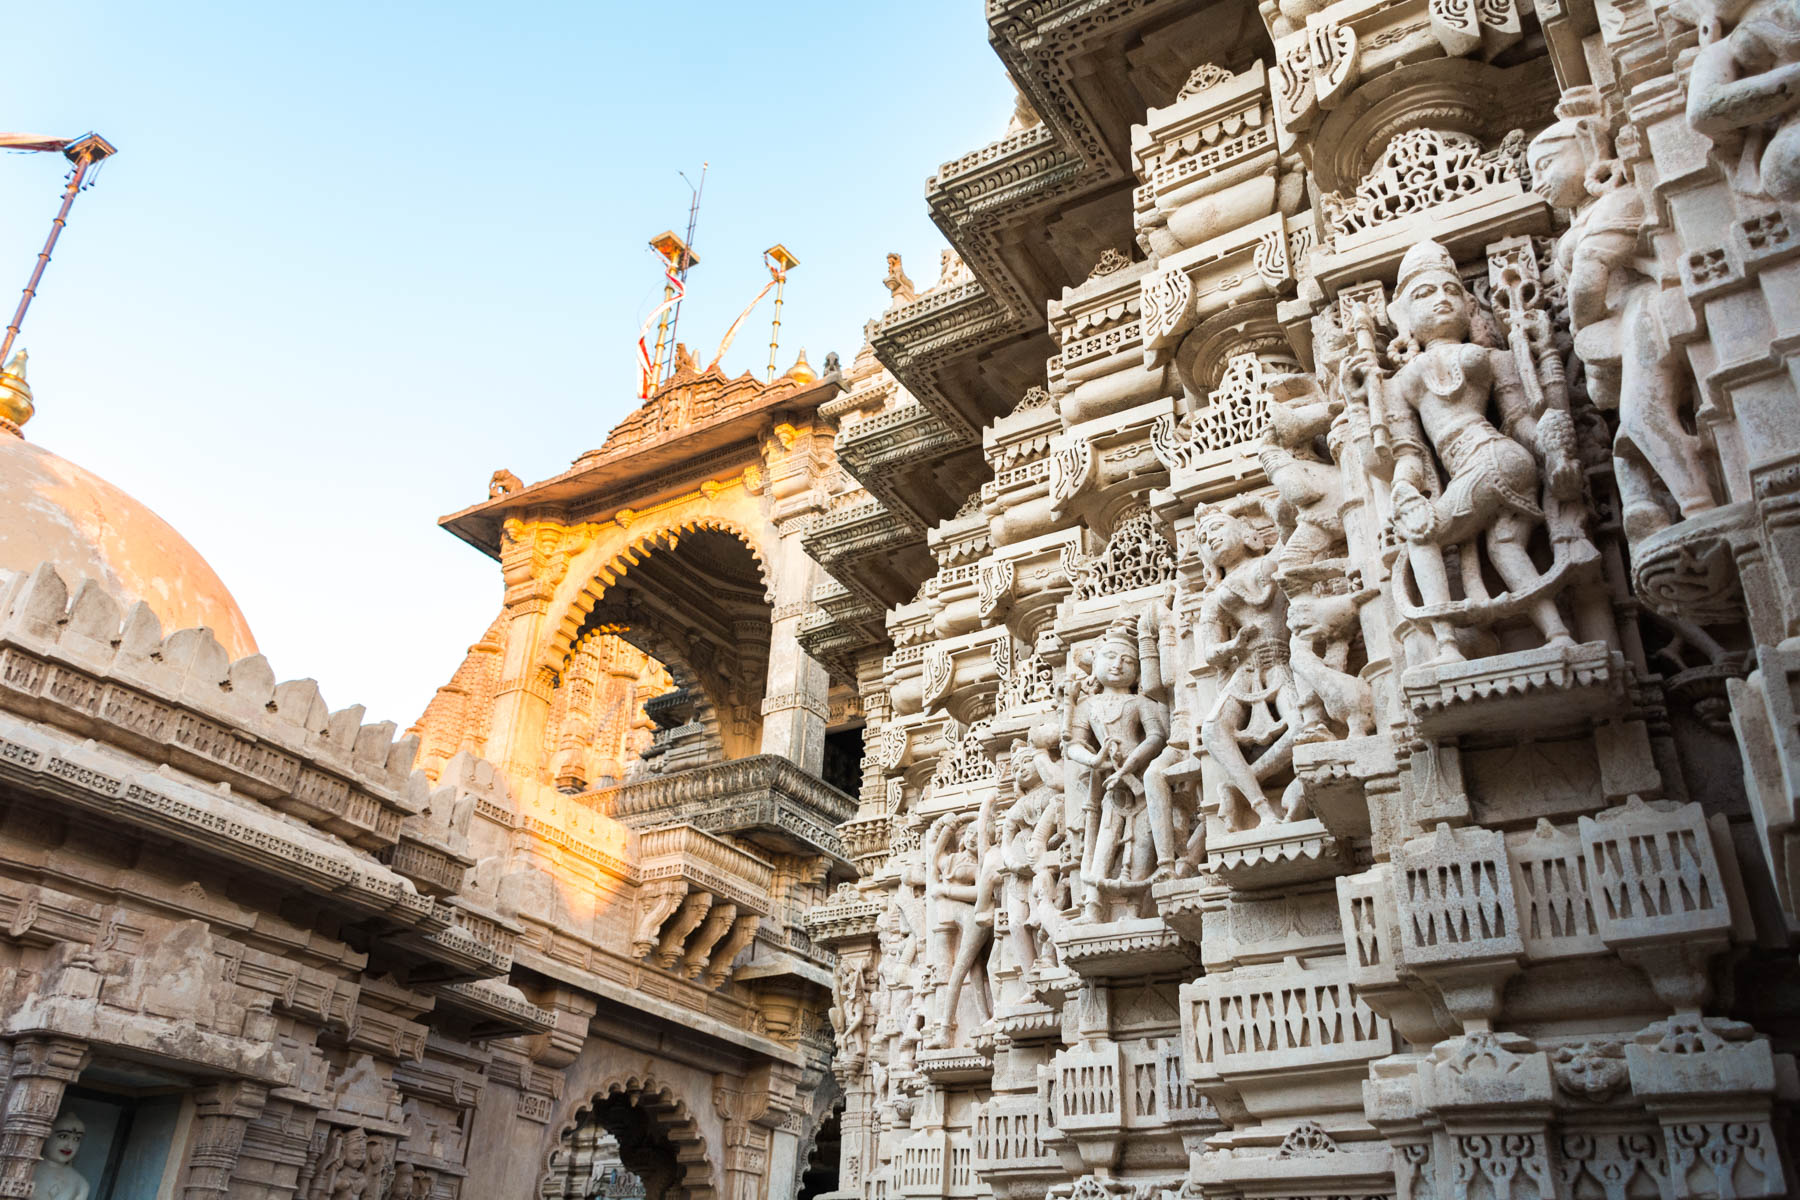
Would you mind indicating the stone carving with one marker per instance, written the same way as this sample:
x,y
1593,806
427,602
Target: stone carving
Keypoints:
x,y
1742,92
961,893
1458,480
1251,727
55,1177
1137,555
1034,832
344,1174
1116,739
1420,170
850,1012
1632,366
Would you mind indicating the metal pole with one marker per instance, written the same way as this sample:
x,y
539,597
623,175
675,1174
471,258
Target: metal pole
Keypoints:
x,y
775,331
43,259
687,255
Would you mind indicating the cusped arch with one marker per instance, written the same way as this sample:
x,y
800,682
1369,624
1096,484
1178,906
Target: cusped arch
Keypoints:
x,y
666,1111
611,558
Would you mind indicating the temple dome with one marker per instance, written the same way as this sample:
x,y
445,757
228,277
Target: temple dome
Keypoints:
x,y
52,510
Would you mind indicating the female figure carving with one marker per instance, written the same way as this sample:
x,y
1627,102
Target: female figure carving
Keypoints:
x,y
1442,391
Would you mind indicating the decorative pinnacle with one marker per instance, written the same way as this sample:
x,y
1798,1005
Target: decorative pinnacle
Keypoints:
x,y
15,396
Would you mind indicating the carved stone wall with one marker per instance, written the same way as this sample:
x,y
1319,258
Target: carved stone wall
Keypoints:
x,y
1347,747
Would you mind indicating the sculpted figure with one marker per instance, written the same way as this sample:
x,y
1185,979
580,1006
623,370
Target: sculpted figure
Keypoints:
x,y
1116,734
966,881
1251,727
1745,89
344,1175
1444,389
1321,623
54,1176
1296,462
1033,825
1612,294
850,1011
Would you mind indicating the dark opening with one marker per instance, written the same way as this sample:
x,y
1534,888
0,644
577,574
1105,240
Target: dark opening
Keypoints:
x,y
843,760
821,1175
614,1153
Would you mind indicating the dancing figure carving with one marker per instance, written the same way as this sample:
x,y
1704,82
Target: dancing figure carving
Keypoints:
x,y
1032,829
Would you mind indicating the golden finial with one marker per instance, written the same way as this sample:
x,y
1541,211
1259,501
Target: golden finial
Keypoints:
x,y
801,372
15,396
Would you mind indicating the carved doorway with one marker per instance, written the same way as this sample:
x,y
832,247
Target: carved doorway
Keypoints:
x,y
634,1141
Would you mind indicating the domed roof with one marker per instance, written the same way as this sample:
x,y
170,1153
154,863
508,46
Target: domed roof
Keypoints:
x,y
51,509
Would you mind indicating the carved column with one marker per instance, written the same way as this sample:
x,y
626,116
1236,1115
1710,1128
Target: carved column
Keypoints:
x,y
795,705
532,562
222,1112
42,1066
753,1109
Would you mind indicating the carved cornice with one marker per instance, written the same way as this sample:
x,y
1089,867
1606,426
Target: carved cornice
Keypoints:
x,y
763,797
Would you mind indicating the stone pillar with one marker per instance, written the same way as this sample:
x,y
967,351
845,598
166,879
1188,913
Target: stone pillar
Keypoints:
x,y
42,1066
795,700
533,558
222,1111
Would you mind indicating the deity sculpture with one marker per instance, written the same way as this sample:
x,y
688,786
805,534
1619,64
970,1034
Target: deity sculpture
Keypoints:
x,y
1252,725
344,1175
962,895
1033,825
54,1176
1438,400
1116,739
1744,91
1612,297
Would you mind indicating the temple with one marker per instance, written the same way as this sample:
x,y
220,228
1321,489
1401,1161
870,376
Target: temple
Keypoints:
x,y
1275,675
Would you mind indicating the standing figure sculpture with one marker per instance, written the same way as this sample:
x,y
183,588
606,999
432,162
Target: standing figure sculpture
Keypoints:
x,y
1251,727
967,878
850,1011
345,1174
1438,400
1033,826
1116,738
1744,91
1612,295
1311,514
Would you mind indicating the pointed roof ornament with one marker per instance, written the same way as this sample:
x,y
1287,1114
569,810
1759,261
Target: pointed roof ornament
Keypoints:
x,y
15,396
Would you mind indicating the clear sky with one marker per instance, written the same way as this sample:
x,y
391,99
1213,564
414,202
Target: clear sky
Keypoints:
x,y
353,257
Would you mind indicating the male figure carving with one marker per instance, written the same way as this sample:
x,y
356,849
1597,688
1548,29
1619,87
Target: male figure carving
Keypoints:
x,y
1612,294
1744,91
1117,735
1251,727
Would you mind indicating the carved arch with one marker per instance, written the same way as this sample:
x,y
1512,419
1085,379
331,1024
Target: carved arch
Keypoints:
x,y
666,1112
610,559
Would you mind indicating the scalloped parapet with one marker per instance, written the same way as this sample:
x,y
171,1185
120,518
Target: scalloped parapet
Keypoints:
x,y
80,659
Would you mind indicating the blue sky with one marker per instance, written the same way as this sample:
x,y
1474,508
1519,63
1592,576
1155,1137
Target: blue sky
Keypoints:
x,y
352,257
